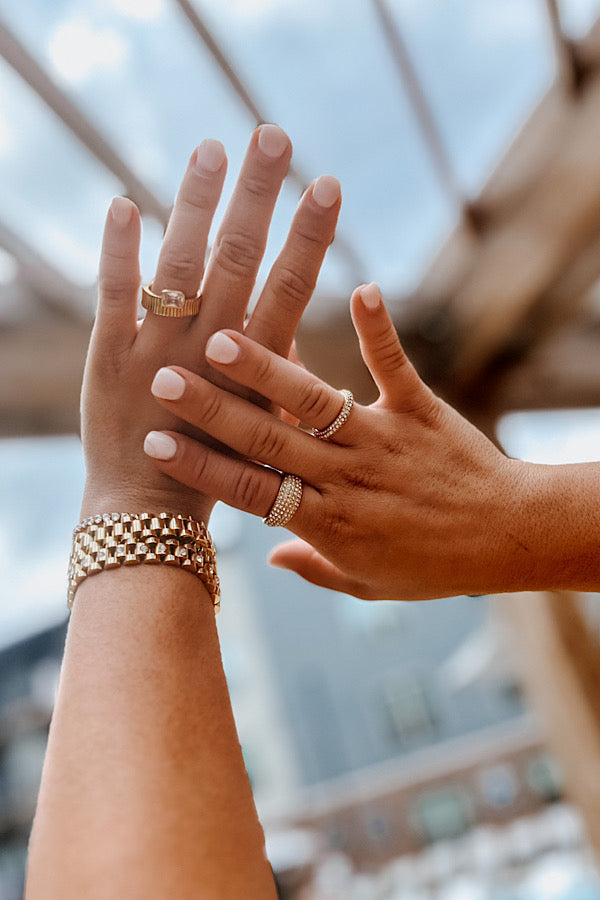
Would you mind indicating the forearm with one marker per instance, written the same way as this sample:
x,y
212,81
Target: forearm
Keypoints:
x,y
557,527
144,791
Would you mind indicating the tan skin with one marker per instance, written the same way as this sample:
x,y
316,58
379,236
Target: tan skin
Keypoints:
x,y
407,500
144,792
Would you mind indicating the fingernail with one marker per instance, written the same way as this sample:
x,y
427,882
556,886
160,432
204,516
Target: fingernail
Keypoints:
x,y
168,385
272,140
159,445
221,348
370,295
121,209
210,156
326,191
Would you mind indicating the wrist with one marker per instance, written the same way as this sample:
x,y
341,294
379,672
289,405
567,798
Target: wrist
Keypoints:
x,y
557,527
101,498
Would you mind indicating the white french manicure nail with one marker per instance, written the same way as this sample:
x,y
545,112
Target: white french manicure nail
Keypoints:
x,y
159,445
121,209
168,385
221,348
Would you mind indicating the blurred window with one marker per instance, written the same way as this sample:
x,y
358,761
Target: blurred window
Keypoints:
x,y
407,709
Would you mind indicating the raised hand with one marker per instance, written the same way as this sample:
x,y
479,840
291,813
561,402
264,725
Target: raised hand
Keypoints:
x,y
117,407
407,499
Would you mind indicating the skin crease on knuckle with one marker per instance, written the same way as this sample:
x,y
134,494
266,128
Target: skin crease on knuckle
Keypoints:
x,y
250,492
313,402
179,269
265,441
238,254
292,287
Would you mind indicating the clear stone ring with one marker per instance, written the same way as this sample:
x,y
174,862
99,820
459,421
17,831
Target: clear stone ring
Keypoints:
x,y
173,304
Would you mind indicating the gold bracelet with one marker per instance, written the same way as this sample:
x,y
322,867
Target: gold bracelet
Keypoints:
x,y
111,540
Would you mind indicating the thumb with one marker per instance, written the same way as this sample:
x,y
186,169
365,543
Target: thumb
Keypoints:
x,y
399,384
300,557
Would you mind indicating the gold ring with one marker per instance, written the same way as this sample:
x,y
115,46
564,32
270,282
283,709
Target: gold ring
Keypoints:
x,y
286,502
325,433
173,304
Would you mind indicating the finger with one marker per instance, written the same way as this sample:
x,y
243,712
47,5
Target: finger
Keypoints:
x,y
289,386
300,557
181,260
294,274
245,485
242,237
119,273
397,380
240,425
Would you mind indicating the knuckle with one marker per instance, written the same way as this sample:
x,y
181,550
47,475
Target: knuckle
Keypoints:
x,y
195,203
249,490
265,442
292,286
195,466
257,185
390,355
113,288
239,254
264,370
211,407
181,269
314,402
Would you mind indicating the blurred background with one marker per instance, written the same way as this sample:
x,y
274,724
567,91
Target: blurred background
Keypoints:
x,y
398,751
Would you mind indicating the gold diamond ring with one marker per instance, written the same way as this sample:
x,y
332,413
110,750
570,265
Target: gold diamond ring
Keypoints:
x,y
286,502
325,433
173,304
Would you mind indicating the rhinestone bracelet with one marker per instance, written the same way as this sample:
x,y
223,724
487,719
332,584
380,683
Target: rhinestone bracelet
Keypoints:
x,y
111,540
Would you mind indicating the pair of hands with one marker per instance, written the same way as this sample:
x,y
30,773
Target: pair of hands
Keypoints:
x,y
407,501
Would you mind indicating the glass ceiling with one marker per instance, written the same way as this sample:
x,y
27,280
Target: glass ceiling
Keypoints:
x,y
321,69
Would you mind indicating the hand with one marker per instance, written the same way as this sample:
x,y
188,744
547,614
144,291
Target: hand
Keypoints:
x,y
407,501
117,406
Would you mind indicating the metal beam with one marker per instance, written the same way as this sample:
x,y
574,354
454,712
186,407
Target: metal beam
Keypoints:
x,y
422,110
24,64
341,245
49,285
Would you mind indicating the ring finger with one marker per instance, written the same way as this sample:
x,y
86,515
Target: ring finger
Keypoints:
x,y
181,260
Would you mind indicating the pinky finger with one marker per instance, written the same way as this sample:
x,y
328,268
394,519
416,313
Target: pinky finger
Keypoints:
x,y
302,558
245,485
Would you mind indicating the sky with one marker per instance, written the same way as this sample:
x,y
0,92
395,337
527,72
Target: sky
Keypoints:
x,y
321,69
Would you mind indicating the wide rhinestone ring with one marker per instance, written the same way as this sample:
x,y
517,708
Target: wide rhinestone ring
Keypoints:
x,y
325,433
173,304
286,502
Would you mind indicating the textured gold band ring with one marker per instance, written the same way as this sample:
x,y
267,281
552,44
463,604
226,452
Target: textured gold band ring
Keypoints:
x,y
325,433
173,304
286,502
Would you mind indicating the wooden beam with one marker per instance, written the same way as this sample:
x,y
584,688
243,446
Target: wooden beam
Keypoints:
x,y
540,212
27,67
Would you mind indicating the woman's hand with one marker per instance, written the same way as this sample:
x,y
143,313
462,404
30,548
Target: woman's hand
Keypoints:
x,y
407,501
117,406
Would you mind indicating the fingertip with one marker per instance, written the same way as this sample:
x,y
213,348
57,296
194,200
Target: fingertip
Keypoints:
x,y
221,348
121,211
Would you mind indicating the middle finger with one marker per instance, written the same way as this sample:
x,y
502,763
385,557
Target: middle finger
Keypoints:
x,y
242,237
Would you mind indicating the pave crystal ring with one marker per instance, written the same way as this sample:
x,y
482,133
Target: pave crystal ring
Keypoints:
x,y
173,304
286,502
325,433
